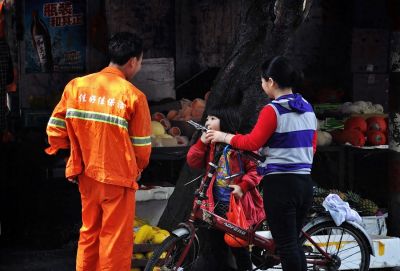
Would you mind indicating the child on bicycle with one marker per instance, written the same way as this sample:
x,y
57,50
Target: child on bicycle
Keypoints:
x,y
242,187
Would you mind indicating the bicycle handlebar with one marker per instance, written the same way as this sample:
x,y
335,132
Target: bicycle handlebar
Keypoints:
x,y
254,156
197,125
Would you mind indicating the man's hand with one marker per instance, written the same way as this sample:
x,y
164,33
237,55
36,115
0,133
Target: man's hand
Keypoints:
x,y
73,179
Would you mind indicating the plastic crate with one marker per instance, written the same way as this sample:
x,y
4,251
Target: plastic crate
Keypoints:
x,y
142,248
150,203
375,225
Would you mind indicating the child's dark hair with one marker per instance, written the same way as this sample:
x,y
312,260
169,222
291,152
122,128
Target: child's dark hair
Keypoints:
x,y
229,118
124,45
281,71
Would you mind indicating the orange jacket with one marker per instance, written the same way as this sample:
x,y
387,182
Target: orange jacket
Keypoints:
x,y
105,122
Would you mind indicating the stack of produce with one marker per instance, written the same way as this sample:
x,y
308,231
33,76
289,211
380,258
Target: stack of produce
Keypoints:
x,y
163,135
168,135
324,138
321,193
359,131
365,207
361,107
146,235
190,110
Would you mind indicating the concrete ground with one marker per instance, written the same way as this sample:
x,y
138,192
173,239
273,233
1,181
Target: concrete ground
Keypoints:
x,y
52,260
37,260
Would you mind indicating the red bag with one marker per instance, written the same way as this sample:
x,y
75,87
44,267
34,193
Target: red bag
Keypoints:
x,y
236,216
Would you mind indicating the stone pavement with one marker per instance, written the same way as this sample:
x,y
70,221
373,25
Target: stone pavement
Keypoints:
x,y
37,260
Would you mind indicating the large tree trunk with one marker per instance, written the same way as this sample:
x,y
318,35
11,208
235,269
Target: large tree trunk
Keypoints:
x,y
264,31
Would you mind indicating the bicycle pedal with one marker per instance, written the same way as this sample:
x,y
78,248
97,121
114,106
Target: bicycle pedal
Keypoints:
x,y
261,258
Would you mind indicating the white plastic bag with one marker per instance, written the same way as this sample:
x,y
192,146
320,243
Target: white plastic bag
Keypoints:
x,y
340,210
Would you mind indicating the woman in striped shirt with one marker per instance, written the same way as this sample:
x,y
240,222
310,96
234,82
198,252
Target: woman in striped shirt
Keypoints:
x,y
286,133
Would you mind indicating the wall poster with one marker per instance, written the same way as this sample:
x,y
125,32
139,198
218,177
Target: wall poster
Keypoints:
x,y
55,36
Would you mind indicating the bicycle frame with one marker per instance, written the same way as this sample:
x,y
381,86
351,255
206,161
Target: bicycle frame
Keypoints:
x,y
222,224
187,230
226,226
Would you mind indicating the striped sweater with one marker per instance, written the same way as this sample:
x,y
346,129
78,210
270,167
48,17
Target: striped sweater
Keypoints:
x,y
286,133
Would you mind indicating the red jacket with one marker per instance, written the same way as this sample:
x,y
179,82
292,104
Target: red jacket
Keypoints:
x,y
198,157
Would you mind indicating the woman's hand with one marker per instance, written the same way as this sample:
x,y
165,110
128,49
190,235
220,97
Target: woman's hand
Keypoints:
x,y
237,191
216,136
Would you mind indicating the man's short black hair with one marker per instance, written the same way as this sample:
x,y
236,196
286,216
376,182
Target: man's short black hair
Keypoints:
x,y
124,45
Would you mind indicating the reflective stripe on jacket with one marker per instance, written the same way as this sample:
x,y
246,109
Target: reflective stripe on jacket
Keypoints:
x,y
105,121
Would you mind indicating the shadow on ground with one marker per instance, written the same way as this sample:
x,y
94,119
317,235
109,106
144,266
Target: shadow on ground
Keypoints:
x,y
42,260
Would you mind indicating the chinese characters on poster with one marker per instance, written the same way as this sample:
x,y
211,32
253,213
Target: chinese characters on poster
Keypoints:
x,y
55,35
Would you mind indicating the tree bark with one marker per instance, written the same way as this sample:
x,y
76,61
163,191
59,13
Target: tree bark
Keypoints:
x,y
264,32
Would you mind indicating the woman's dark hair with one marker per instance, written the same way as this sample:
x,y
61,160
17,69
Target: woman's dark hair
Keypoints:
x,y
229,118
124,45
281,71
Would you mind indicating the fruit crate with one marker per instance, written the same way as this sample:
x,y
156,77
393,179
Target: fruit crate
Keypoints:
x,y
375,225
142,248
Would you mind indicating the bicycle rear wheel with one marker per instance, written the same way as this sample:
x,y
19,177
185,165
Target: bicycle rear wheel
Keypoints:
x,y
167,255
347,246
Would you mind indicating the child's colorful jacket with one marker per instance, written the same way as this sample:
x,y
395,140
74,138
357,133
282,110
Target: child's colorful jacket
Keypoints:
x,y
198,157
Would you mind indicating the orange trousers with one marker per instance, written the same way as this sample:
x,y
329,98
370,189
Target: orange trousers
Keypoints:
x,y
106,236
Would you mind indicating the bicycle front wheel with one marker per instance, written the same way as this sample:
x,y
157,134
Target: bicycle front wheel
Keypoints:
x,y
168,254
348,248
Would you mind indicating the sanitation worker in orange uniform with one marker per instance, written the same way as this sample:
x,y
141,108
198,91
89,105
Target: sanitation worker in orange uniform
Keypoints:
x,y
104,121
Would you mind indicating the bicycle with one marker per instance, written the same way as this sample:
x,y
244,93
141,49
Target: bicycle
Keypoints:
x,y
322,239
